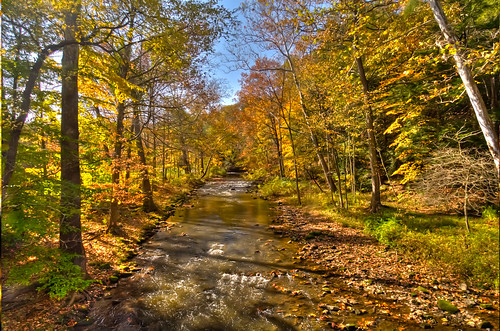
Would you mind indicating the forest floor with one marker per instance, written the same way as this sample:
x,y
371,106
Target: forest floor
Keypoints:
x,y
379,271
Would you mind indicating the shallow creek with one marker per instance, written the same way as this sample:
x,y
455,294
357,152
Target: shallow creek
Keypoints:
x,y
219,268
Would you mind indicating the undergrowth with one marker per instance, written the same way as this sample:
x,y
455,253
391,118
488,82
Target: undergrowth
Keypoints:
x,y
277,187
37,260
52,269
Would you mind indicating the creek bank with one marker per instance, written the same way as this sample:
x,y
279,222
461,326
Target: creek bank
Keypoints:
x,y
78,318
25,308
367,266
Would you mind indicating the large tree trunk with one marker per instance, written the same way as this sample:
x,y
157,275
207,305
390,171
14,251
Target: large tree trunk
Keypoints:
x,y
372,143
70,238
148,204
465,73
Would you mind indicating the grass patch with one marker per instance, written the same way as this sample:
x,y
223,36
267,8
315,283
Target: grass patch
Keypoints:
x,y
474,257
442,239
387,230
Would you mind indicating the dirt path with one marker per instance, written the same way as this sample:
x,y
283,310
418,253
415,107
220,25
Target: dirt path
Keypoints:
x,y
367,266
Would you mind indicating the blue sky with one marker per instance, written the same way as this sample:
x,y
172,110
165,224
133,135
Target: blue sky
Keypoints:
x,y
224,70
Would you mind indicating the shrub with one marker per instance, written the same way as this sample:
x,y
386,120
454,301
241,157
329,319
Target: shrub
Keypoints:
x,y
454,174
256,175
53,269
387,230
63,278
490,214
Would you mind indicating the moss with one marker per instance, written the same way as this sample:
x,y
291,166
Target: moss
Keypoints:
x,y
101,265
423,290
114,279
313,234
446,306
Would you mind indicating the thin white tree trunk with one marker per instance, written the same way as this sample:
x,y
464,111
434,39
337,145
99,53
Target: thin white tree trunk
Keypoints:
x,y
465,73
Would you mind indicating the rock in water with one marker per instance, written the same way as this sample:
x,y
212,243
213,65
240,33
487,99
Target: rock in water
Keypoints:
x,y
486,325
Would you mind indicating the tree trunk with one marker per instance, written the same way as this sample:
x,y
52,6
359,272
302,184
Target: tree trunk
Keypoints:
x,y
70,237
277,142
346,171
207,167
292,143
372,143
280,150
202,163
115,175
494,91
176,160
153,119
17,124
339,179
129,157
163,155
118,144
297,189
465,73
353,171
148,204
185,163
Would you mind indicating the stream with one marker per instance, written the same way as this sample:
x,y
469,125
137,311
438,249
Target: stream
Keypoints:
x,y
219,268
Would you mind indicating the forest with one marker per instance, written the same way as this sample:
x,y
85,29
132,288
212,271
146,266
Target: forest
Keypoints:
x,y
381,116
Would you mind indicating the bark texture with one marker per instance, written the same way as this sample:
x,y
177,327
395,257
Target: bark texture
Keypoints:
x,y
115,174
372,143
70,238
148,204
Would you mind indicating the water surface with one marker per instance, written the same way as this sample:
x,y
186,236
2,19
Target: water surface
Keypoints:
x,y
220,268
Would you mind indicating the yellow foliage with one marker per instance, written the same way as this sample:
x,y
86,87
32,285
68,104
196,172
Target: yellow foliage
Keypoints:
x,y
410,171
